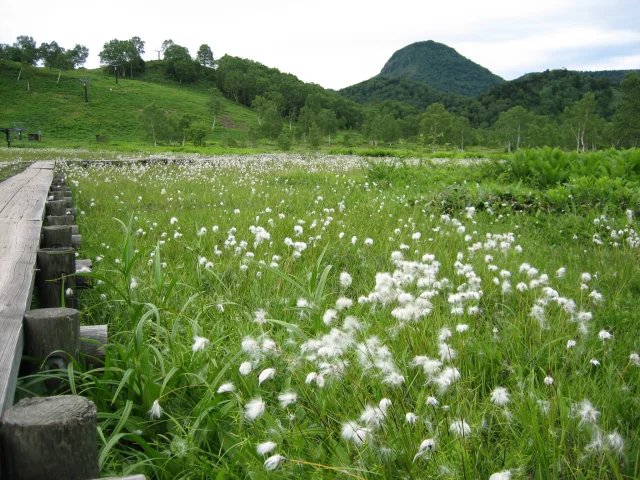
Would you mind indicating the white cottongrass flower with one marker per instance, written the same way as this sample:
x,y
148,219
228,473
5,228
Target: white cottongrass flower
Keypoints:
x,y
355,433
68,292
343,303
199,343
460,428
274,462
260,316
426,448
226,387
254,409
266,374
462,327
504,475
446,352
615,442
411,418
429,365
585,277
548,380
156,410
604,335
571,343
594,362
432,402
634,358
345,280
287,398
561,272
586,411
500,396
246,368
446,378
265,447
173,220
329,316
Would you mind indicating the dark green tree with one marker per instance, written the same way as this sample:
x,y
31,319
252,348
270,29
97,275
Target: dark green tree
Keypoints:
x,y
627,117
205,56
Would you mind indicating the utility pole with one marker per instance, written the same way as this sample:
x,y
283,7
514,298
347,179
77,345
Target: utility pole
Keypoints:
x,y
115,68
159,53
85,80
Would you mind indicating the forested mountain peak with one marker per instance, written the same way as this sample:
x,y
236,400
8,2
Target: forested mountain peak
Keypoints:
x,y
441,67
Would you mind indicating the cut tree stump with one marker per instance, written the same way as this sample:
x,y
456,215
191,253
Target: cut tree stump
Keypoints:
x,y
53,264
56,207
50,438
47,330
59,220
57,236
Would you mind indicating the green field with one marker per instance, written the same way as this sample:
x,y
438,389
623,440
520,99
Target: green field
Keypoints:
x,y
287,316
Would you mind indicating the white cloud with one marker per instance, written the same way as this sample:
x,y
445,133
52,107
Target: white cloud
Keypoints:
x,y
337,43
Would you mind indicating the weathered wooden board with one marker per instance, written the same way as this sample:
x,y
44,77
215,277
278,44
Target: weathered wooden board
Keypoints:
x,y
22,200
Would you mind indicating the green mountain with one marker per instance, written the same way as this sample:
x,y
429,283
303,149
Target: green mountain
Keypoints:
x,y
440,67
546,93
399,89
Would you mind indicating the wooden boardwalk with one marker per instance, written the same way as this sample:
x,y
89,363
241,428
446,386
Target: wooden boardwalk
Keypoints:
x,y
22,206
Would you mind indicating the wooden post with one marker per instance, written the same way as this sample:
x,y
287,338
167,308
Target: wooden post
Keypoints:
x,y
60,220
50,438
57,236
57,195
58,188
53,264
74,230
47,330
93,338
83,266
76,242
68,202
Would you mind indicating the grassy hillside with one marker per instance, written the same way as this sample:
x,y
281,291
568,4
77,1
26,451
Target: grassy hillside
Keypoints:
x,y
60,111
440,67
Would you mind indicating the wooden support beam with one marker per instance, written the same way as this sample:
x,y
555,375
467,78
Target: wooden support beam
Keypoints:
x,y
93,338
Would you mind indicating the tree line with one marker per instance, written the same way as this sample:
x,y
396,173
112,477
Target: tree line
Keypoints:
x,y
553,108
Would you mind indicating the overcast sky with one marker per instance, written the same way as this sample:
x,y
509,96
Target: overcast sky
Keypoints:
x,y
337,43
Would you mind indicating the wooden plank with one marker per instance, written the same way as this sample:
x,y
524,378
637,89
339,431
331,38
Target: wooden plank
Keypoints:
x,y
22,200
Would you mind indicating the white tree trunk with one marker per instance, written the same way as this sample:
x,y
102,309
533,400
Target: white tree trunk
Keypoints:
x,y
19,73
59,73
213,125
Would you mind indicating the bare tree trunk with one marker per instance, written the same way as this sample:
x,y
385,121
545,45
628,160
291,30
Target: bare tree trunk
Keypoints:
x,y
213,125
462,142
59,73
518,141
153,132
19,73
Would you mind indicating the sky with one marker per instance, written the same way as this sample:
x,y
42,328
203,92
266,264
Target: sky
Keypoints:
x,y
337,43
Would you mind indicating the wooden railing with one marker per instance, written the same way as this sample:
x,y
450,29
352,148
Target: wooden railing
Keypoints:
x,y
44,437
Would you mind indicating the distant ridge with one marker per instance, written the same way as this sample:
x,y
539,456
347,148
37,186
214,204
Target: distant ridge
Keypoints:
x,y
440,67
616,76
